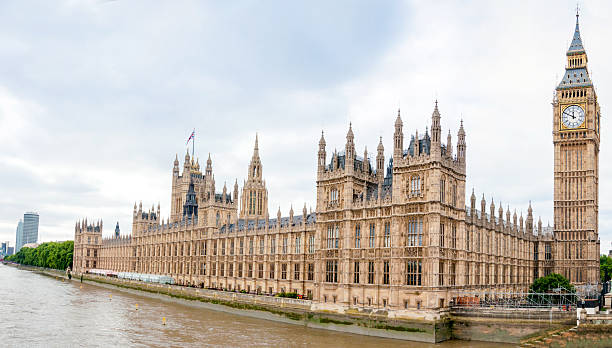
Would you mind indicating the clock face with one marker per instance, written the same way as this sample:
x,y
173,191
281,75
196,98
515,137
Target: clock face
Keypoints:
x,y
572,116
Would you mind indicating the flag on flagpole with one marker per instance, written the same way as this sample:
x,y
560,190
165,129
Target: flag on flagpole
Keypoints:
x,y
191,137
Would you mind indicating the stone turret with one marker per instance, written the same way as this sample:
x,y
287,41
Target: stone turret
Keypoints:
x,y
483,208
539,225
449,145
461,146
473,202
349,148
436,131
508,222
208,166
380,161
321,155
236,191
175,168
187,164
366,169
398,138
529,219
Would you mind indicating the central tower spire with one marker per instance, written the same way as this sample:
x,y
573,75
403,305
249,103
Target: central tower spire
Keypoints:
x,y
255,165
254,193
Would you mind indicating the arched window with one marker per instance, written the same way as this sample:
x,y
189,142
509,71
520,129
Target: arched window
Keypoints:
x,y
371,242
387,239
415,185
251,203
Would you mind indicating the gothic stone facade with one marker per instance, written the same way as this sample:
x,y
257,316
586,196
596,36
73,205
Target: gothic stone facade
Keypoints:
x,y
395,234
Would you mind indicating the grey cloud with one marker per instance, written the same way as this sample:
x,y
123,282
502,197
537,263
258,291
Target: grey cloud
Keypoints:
x,y
119,86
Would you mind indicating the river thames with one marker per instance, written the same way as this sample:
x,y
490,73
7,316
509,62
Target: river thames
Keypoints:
x,y
41,311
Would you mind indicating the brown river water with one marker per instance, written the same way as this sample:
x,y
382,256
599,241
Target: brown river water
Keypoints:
x,y
41,311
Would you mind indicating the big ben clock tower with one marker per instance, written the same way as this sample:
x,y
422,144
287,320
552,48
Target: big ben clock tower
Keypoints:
x,y
576,140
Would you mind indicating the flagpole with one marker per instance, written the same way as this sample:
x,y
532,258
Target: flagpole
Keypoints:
x,y
193,144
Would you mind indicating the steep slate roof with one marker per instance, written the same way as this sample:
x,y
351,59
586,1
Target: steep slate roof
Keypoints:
x,y
576,45
575,78
424,145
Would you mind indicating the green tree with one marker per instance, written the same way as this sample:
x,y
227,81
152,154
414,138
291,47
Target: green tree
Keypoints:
x,y
56,255
552,289
550,282
605,268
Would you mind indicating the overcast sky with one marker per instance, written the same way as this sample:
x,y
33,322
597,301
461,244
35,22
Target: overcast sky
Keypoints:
x,y
97,97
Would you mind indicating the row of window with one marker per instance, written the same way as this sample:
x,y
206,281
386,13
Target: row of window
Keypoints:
x,y
219,268
573,165
333,196
574,93
413,272
255,202
449,241
333,240
501,274
89,239
362,272
547,252
483,242
572,250
453,193
414,235
186,250
575,62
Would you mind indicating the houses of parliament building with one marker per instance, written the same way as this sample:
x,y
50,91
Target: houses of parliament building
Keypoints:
x,y
391,232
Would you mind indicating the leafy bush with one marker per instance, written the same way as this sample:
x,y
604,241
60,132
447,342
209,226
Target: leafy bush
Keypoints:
x,y
287,294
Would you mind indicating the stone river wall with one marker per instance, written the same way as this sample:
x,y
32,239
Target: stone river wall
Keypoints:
x,y
491,325
508,325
